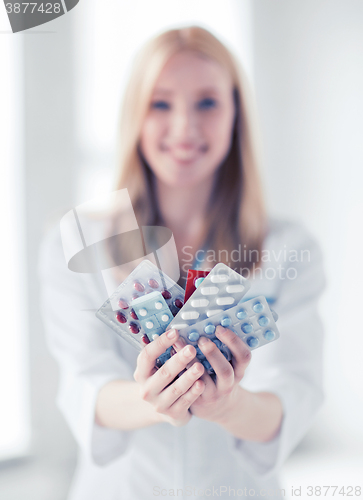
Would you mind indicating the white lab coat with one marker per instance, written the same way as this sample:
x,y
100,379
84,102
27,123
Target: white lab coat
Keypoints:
x,y
163,461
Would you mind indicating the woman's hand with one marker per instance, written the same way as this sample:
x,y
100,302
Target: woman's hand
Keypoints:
x,y
171,399
246,415
220,397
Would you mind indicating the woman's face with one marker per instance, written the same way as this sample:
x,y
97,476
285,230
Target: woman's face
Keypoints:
x,y
188,128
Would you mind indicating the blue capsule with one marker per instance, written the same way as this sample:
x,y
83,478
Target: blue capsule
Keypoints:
x,y
198,282
263,321
193,336
209,329
226,321
252,341
258,307
247,327
269,335
241,314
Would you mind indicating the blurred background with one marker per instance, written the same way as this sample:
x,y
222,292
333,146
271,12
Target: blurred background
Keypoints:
x,y
60,91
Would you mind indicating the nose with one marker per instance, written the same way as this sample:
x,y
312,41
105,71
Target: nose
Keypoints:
x,y
184,126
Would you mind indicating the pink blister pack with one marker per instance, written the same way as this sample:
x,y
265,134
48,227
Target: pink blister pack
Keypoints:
x,y
143,305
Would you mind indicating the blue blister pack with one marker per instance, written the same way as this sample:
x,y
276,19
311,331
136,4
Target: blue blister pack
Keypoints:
x,y
148,289
253,321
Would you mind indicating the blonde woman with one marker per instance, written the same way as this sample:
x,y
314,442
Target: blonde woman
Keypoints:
x,y
189,161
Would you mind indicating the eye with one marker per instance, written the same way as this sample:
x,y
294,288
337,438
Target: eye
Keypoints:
x,y
207,103
163,105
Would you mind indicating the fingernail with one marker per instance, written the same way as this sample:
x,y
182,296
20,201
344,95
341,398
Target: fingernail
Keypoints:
x,y
179,344
196,368
220,329
171,334
188,351
203,341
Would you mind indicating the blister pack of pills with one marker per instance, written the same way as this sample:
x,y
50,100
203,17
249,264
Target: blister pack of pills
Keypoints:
x,y
194,279
143,305
221,289
253,321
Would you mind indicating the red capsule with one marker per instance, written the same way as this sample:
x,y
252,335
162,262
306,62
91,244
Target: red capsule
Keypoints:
x,y
134,327
166,294
123,304
178,303
133,314
121,318
139,286
136,296
153,283
145,339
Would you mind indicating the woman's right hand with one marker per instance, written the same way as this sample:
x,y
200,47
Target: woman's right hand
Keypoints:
x,y
170,398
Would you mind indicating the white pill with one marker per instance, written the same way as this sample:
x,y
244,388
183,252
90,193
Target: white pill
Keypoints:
x,y
211,312
209,290
149,324
219,278
180,326
190,315
164,318
235,288
200,303
224,301
158,305
142,312
154,336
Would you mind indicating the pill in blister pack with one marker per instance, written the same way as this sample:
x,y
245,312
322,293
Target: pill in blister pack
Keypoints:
x,y
252,321
194,279
153,313
143,305
221,289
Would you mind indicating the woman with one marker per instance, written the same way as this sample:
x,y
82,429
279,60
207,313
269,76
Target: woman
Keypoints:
x,y
189,162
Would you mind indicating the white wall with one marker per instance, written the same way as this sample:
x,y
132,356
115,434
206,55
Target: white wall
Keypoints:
x,y
14,349
308,60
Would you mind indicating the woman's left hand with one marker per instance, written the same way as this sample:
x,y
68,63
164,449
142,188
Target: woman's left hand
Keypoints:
x,y
223,395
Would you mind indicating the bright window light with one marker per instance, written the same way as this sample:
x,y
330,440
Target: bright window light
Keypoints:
x,y
14,374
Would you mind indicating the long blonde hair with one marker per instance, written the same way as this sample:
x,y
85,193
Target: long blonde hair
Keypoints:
x,y
238,194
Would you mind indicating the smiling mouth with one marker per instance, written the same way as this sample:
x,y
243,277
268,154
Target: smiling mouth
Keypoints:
x,y
185,160
186,156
